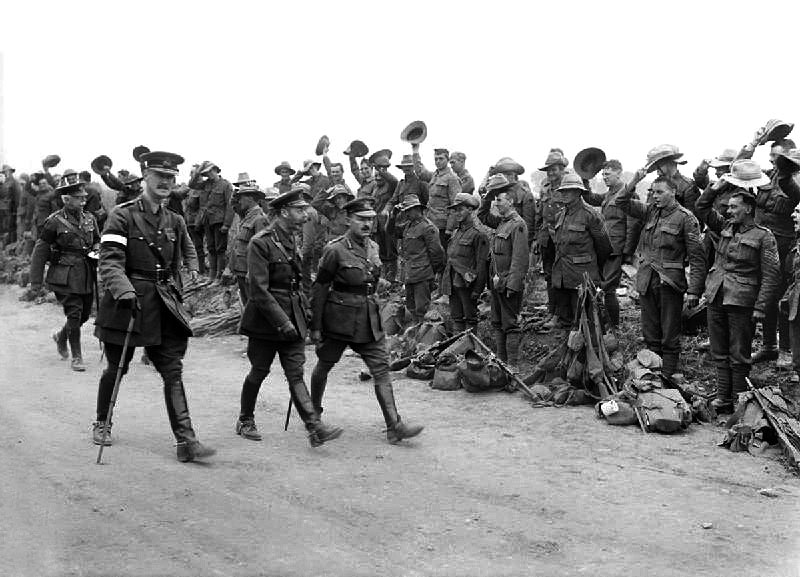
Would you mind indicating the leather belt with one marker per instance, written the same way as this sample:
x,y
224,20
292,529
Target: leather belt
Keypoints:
x,y
364,289
158,275
284,286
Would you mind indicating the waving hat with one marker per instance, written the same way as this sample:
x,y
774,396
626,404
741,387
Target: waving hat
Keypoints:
x,y
746,173
415,133
357,149
661,153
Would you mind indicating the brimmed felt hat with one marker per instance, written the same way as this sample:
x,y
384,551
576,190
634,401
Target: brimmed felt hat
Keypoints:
x,y
357,149
407,160
303,189
76,189
466,199
415,133
100,164
788,161
338,189
775,130
571,181
724,159
292,199
322,144
208,167
410,201
458,155
271,193
138,151
555,156
382,152
284,165
381,161
307,164
746,173
243,178
51,160
507,164
360,207
130,178
251,190
160,161
589,161
497,182
661,153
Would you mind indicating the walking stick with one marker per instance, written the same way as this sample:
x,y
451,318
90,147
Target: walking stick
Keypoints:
x,y
117,380
288,414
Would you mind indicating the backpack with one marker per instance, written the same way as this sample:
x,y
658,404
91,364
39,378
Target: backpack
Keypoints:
x,y
664,410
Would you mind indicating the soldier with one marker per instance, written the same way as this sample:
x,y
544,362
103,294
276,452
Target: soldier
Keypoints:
x,y
443,186
616,222
363,173
520,192
274,319
670,237
10,192
127,184
69,240
422,256
790,303
774,207
464,276
141,250
345,313
742,281
215,214
327,221
721,165
457,163
509,255
46,202
317,182
253,221
385,233
285,171
555,166
664,159
581,246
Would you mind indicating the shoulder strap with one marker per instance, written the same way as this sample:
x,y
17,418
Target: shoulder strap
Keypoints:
x,y
137,219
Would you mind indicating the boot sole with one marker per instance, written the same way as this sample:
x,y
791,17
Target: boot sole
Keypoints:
x,y
395,440
197,456
316,441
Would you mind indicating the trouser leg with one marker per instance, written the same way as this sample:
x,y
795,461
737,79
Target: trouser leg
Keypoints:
x,y
260,353
457,310
329,351
212,250
198,235
794,328
106,385
241,282
671,308
497,326
612,274
741,343
509,323
719,334
651,319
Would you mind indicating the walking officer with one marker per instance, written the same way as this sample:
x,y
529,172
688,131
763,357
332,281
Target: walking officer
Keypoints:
x,y
141,251
466,265
345,313
253,221
509,263
69,240
274,319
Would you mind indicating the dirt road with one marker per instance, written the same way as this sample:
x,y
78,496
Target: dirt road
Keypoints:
x,y
492,487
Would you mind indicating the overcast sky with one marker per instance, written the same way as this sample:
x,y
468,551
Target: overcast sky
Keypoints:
x,y
248,84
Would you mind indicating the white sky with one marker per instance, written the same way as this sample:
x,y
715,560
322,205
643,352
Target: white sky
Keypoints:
x,y
248,84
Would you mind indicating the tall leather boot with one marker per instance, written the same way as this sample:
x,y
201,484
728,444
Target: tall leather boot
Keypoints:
x,y
500,349
75,347
319,378
738,383
318,432
60,338
724,401
512,348
396,429
188,447
669,364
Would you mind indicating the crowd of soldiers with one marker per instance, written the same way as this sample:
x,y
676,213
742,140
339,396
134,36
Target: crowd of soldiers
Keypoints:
x,y
310,257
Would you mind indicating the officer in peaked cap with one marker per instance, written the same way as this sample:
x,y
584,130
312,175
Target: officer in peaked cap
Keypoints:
x,y
142,249
70,238
274,318
345,314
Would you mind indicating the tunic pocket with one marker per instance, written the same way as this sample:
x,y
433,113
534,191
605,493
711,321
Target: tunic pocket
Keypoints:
x,y
58,274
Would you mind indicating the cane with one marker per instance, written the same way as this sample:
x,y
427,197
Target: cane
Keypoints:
x,y
288,414
117,380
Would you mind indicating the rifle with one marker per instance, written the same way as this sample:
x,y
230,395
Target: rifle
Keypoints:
x,y
436,348
505,368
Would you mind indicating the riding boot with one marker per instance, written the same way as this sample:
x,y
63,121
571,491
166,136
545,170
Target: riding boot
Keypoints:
x,y
188,447
396,429
60,338
75,348
512,348
318,432
500,349
319,378
724,401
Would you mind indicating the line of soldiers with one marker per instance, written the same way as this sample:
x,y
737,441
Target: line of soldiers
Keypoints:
x,y
434,234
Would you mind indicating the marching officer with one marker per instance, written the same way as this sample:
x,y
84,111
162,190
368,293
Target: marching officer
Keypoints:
x,y
345,313
141,251
274,319
581,246
422,256
742,282
670,237
465,269
253,221
509,254
69,239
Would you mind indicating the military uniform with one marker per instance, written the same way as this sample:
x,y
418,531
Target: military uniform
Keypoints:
x,y
142,248
66,240
345,310
792,303
465,273
215,216
423,257
670,238
745,277
10,192
443,186
545,226
276,306
509,252
252,222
